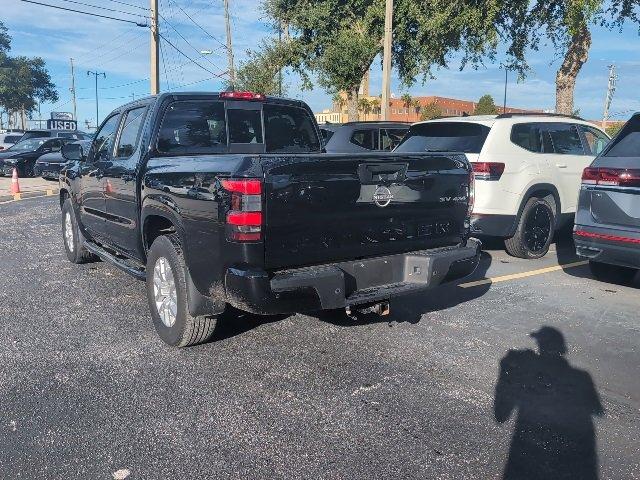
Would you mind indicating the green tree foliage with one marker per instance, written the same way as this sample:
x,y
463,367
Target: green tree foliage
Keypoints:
x,y
613,129
339,40
23,81
485,106
260,72
524,24
430,111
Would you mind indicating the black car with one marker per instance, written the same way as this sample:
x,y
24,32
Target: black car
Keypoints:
x,y
607,226
70,134
361,137
23,155
49,165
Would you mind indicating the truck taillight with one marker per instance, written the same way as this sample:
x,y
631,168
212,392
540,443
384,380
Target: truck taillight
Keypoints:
x,y
472,193
488,170
244,219
611,177
242,96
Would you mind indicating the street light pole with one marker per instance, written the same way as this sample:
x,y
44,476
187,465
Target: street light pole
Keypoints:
x,y
96,75
386,60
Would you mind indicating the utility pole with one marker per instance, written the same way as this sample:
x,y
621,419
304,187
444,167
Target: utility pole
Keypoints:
x,y
97,74
611,89
232,71
73,91
155,50
386,59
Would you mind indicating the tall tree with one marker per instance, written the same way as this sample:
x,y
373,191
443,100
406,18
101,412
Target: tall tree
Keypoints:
x,y
430,111
260,72
339,40
485,106
524,24
24,82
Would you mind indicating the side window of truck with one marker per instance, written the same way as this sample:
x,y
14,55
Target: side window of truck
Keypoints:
x,y
103,144
193,127
130,132
289,130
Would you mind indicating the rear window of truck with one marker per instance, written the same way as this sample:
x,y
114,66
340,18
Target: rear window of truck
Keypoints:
x,y
444,137
203,127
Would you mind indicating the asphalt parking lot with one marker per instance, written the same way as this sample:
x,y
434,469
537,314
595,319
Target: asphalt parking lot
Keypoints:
x,y
87,389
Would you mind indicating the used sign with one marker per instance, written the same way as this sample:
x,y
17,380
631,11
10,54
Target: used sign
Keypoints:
x,y
62,125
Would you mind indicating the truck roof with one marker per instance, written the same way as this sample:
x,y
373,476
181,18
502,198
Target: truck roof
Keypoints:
x,y
267,99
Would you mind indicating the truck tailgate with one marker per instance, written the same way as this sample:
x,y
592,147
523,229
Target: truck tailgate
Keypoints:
x,y
324,207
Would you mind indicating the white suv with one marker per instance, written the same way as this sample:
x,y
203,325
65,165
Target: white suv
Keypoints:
x,y
528,169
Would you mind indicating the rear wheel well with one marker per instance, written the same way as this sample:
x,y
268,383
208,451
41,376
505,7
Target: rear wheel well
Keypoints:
x,y
154,227
547,192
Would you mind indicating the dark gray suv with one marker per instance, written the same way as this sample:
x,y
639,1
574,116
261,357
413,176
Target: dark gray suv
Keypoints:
x,y
607,225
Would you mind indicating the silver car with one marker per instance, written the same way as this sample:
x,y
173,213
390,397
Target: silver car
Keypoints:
x,y
607,225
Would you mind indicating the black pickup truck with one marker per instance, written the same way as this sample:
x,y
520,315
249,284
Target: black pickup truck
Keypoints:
x,y
228,199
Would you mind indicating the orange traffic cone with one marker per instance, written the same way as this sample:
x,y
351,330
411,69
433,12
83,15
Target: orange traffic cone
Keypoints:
x,y
15,185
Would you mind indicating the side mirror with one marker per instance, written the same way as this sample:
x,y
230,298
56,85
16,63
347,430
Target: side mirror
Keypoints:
x,y
73,152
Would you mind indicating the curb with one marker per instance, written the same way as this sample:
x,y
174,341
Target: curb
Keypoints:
x,y
31,194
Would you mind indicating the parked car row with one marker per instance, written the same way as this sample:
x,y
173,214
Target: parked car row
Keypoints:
x,y
25,152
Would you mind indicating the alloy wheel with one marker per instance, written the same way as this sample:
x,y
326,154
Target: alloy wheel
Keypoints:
x,y
537,228
165,293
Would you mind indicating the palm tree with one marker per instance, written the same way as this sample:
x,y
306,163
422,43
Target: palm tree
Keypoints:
x,y
407,101
364,106
339,101
375,106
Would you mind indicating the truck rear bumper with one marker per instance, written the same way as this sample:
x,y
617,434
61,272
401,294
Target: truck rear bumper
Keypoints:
x,y
350,283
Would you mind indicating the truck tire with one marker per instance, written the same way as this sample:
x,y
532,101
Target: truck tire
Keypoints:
x,y
612,273
535,230
72,236
167,296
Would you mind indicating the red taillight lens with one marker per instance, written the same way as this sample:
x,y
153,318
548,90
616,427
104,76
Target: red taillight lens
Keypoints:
x,y
488,170
244,219
242,96
244,186
611,177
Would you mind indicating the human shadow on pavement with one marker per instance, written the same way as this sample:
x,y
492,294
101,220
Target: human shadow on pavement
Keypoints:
x,y
554,435
410,308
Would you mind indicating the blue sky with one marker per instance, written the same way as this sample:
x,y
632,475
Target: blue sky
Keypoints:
x,y
121,50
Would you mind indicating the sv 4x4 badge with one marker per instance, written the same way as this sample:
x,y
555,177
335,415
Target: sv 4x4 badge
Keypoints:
x,y
382,196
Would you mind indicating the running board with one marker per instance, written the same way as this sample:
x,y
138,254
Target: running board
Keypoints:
x,y
137,272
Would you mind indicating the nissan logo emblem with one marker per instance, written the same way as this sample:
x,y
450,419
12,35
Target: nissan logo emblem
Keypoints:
x,y
382,196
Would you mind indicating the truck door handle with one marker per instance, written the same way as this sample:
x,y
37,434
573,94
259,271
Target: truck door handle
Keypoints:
x,y
561,165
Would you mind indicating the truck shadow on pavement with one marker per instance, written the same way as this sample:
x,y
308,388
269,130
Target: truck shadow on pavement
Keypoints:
x,y
554,403
410,308
234,322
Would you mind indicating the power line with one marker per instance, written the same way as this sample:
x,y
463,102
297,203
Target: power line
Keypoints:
x,y
85,13
164,66
187,41
105,8
191,59
197,24
110,42
130,5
